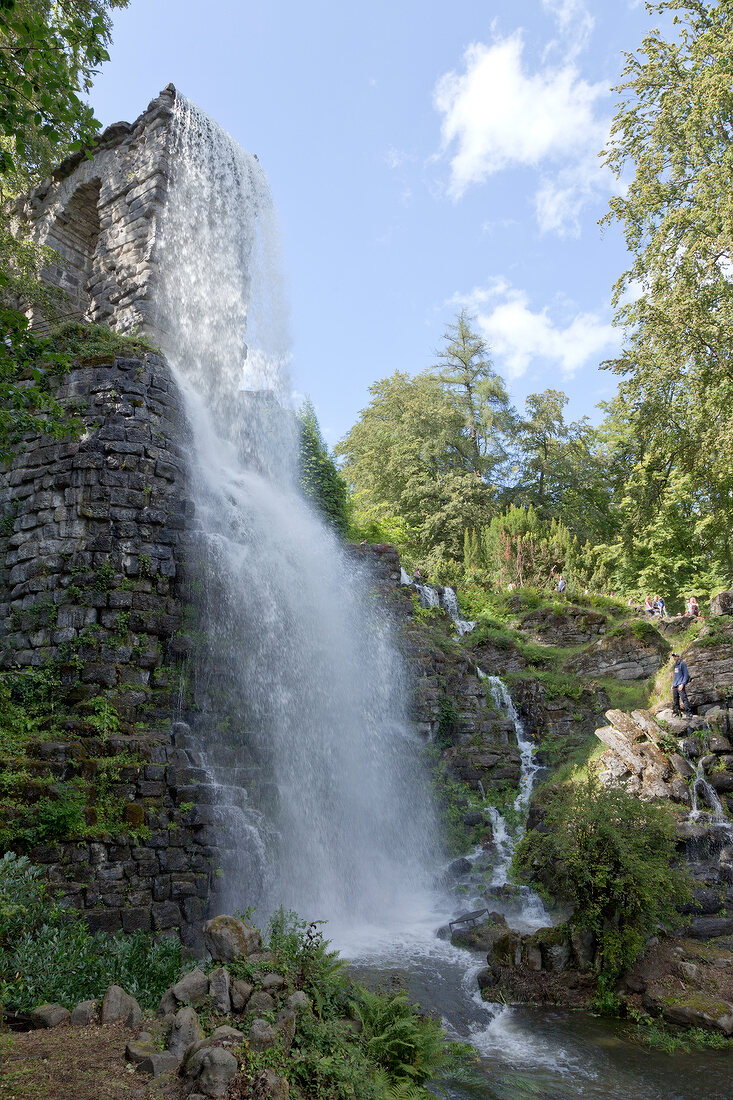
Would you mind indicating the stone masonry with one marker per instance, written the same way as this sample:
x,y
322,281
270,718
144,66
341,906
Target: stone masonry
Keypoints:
x,y
101,215
92,559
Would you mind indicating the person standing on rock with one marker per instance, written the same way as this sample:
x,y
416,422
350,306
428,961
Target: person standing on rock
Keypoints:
x,y
680,680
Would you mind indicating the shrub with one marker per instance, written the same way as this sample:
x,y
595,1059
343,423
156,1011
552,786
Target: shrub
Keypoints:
x,y
49,954
608,854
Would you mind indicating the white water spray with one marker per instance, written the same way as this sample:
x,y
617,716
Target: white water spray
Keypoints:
x,y
299,696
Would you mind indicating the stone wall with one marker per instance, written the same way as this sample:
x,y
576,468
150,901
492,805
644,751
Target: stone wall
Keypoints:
x,y
101,214
93,535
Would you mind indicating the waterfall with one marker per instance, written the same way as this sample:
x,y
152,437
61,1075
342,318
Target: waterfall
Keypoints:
x,y
297,696
533,911
440,597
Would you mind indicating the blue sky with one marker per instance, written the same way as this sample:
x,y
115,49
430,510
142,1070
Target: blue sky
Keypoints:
x,y
422,156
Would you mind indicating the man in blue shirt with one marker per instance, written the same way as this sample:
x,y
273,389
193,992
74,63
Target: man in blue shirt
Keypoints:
x,y
680,680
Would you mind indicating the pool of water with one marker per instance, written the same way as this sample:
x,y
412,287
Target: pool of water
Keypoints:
x,y
538,1053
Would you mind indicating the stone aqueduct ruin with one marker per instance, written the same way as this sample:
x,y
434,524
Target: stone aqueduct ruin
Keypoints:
x,y
100,214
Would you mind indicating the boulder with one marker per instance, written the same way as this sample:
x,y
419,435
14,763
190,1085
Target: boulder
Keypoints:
x,y
49,1016
722,604
261,1002
160,1063
216,1067
219,990
273,982
193,988
228,938
262,1036
285,1027
84,1013
481,937
186,1030
276,1088
583,943
119,1006
137,1051
240,992
298,1000
168,1003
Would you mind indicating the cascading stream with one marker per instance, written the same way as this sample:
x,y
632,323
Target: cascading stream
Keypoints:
x,y
300,714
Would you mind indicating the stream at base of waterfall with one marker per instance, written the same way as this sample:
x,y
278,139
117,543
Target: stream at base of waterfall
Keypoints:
x,y
297,699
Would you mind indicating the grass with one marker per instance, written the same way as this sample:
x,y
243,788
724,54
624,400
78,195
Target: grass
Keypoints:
x,y
626,695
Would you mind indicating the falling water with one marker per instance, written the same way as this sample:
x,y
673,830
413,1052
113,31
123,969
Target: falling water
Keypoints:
x,y
299,697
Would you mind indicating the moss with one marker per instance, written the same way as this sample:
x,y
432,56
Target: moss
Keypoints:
x,y
698,1002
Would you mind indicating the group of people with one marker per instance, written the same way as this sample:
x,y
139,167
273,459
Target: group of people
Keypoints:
x,y
656,605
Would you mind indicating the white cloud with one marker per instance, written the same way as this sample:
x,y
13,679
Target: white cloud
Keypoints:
x,y
497,115
520,336
574,21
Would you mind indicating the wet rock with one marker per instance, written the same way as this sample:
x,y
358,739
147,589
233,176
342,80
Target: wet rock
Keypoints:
x,y
473,819
583,943
186,1030
228,938
507,950
704,901
193,988
460,867
219,990
556,956
481,937
120,1006
49,1016
487,978
699,1011
84,1013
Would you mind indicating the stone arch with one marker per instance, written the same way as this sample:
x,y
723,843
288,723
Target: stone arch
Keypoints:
x,y
74,234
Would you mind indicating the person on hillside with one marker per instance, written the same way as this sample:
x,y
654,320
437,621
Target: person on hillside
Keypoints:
x,y
680,680
418,577
693,607
561,586
648,606
661,608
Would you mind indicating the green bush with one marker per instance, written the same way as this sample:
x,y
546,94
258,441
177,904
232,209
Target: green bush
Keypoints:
x,y
48,954
609,855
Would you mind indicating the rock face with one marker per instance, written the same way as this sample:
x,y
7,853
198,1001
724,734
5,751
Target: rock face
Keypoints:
x,y
710,661
722,604
623,655
100,214
120,1007
570,627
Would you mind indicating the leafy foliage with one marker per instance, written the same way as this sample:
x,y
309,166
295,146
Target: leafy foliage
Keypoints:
x,y
49,955
609,855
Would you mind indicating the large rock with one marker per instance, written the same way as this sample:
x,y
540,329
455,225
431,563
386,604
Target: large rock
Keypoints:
x,y
193,989
276,1088
285,1027
227,938
119,1006
261,1002
49,1016
160,1063
722,604
84,1013
481,937
262,1036
210,1070
186,1030
240,992
219,990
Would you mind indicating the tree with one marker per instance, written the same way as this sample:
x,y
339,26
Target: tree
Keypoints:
x,y
466,374
320,479
406,459
674,131
560,473
50,51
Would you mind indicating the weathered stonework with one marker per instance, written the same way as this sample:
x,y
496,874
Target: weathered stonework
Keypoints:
x,y
101,214
92,556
